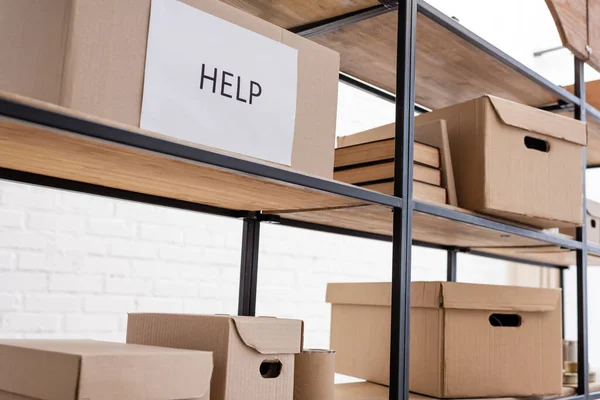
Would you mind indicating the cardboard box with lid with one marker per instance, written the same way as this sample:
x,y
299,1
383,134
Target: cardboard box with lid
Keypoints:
x,y
466,340
90,56
253,356
87,369
516,162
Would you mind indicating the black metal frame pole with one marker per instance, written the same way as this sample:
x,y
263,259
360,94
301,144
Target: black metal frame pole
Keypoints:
x,y
582,309
451,265
249,266
403,179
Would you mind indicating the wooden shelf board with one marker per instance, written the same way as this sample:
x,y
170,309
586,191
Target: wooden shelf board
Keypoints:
x,y
448,69
544,254
292,13
50,152
426,227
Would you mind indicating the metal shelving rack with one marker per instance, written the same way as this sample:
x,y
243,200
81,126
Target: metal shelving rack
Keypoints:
x,y
20,114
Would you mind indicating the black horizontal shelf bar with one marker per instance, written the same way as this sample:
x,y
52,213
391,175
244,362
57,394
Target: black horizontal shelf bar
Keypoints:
x,y
335,23
327,228
97,190
514,259
577,397
385,238
374,90
593,112
458,216
347,232
126,137
465,34
593,249
594,396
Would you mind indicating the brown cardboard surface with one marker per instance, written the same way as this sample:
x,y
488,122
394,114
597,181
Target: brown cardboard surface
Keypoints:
x,y
239,345
361,391
314,373
454,349
431,147
494,171
436,134
80,369
379,147
385,170
73,53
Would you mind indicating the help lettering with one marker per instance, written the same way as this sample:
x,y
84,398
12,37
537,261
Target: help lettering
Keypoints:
x,y
227,83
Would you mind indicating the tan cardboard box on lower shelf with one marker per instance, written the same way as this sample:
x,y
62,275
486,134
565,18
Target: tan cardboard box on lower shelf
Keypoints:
x,y
87,369
466,340
253,357
516,162
91,56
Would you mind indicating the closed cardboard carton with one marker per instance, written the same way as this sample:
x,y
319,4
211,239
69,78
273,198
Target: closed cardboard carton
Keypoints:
x,y
466,340
253,357
592,223
90,56
516,162
87,369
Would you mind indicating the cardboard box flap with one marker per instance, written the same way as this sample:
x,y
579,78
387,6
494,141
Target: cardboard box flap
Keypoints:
x,y
270,335
498,298
373,294
535,120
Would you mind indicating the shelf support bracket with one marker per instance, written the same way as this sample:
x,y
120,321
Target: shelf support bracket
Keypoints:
x,y
249,265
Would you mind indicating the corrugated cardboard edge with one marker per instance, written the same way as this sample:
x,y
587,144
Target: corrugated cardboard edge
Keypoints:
x,y
372,293
435,134
383,132
270,335
487,297
531,119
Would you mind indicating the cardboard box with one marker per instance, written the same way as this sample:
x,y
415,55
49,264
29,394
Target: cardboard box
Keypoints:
x,y
592,223
457,346
87,369
90,56
361,391
314,375
253,357
516,162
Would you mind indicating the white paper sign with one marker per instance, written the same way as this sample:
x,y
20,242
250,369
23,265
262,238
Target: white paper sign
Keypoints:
x,y
211,82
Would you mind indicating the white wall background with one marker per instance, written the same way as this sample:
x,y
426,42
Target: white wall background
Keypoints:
x,y
72,265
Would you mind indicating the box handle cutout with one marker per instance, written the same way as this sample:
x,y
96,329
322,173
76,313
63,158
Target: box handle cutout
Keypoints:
x,y
270,369
537,144
593,223
505,320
